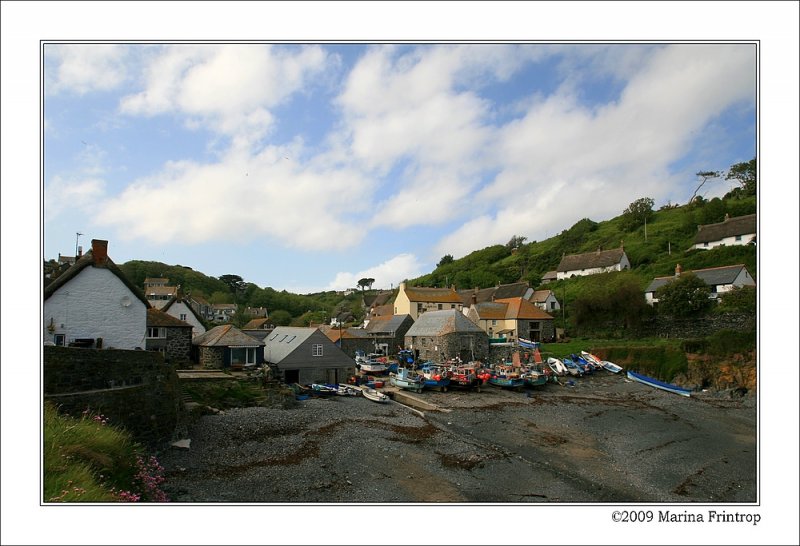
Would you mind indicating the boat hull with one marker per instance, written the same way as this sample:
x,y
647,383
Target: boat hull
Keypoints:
x,y
649,381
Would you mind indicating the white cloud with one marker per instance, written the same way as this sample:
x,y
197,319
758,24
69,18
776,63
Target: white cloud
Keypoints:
x,y
563,161
71,194
82,68
229,89
387,274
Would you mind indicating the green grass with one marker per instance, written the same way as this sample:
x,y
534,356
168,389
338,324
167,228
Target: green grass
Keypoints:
x,y
225,394
85,459
88,459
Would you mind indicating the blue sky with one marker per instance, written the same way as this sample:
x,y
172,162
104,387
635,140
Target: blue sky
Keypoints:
x,y
306,167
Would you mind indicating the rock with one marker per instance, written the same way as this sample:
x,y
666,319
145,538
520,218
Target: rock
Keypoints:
x,y
182,444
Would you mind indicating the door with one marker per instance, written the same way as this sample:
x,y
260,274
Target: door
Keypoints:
x,y
332,376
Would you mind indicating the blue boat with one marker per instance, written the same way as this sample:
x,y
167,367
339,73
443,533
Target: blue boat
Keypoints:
x,y
435,376
573,368
405,379
505,376
669,387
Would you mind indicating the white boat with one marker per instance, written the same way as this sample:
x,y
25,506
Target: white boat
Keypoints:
x,y
374,395
592,359
610,366
557,366
346,390
372,366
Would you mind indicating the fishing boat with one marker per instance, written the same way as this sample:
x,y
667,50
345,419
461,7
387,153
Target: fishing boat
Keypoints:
x,y
406,379
669,387
465,377
527,343
374,395
572,368
436,377
346,390
318,389
507,377
558,367
534,378
610,366
592,359
583,364
374,367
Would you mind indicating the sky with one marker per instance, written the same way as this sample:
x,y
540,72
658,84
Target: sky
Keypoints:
x,y
308,166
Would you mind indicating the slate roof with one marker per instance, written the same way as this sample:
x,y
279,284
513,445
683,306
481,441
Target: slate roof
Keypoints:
x,y
434,295
512,290
713,276
591,260
490,310
439,323
381,298
161,291
87,260
386,324
730,227
256,324
156,317
225,335
284,340
540,296
334,334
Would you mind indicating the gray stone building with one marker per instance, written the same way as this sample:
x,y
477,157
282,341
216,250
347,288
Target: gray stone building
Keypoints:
x,y
226,346
441,335
389,333
169,336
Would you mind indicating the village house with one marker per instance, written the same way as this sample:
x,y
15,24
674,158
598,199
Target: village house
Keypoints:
x,y
201,307
549,276
181,308
259,324
349,340
512,318
592,263
227,347
93,304
719,280
305,356
740,230
501,291
388,333
441,335
256,312
223,312
545,300
158,291
169,336
416,301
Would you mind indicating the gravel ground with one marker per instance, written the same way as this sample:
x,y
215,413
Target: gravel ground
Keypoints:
x,y
604,439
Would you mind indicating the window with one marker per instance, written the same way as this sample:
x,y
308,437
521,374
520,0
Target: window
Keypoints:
x,y
316,349
494,323
552,305
156,333
738,237
439,307
183,316
60,339
243,355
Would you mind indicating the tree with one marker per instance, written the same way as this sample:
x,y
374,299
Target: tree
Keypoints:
x,y
234,283
705,175
739,299
515,242
686,296
365,282
446,259
280,317
637,213
745,174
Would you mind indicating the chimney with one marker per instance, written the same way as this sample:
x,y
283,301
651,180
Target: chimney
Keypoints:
x,y
80,252
99,251
678,270
474,298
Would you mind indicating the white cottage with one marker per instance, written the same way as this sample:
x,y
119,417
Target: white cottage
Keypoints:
x,y
740,230
180,308
592,263
93,304
719,280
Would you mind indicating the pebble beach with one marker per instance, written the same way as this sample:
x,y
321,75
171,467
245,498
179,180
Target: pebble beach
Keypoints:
x,y
603,439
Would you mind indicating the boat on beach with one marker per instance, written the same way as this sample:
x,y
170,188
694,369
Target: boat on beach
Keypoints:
x,y
436,377
534,378
374,395
507,377
572,368
669,387
406,379
610,366
558,367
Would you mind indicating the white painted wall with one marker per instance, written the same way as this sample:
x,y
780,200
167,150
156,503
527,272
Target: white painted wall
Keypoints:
x,y
623,264
727,241
179,308
91,305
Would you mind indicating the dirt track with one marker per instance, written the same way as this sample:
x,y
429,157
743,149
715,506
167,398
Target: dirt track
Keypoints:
x,y
604,439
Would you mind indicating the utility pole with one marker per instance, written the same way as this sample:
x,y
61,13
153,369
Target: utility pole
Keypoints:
x,y
77,234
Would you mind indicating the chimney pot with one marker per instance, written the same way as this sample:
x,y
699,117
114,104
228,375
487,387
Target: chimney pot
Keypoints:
x,y
99,251
80,252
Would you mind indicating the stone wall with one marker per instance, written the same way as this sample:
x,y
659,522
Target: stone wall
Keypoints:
x,y
660,326
442,348
211,357
179,345
135,389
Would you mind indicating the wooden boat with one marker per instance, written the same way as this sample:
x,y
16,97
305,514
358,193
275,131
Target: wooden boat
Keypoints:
x,y
527,343
374,395
669,387
318,389
534,378
572,368
592,359
558,367
346,390
436,377
406,379
582,364
465,377
374,367
610,366
507,377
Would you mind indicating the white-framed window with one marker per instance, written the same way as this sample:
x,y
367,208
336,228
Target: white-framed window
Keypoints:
x,y
494,323
738,237
243,355
316,349
156,333
183,316
439,307
60,339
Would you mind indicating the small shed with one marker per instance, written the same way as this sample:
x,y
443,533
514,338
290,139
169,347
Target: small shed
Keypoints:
x,y
226,346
